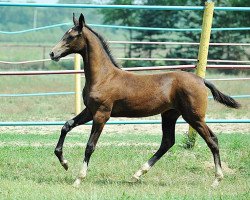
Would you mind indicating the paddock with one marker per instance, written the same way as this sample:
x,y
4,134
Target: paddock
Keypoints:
x,y
32,115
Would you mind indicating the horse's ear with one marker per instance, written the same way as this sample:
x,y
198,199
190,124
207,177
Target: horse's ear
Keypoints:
x,y
75,20
81,21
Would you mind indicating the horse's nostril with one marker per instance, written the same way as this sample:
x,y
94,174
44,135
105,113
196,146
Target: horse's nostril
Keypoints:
x,y
51,54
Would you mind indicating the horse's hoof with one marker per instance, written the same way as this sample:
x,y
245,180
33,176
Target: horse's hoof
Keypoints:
x,y
65,164
135,179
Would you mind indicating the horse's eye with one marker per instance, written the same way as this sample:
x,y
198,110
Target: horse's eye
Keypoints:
x,y
70,37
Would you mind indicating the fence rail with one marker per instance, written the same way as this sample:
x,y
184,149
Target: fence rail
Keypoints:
x,y
72,93
137,42
131,59
134,7
127,27
15,73
60,123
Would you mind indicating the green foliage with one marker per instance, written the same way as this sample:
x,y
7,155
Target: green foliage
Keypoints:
x,y
230,19
123,17
182,19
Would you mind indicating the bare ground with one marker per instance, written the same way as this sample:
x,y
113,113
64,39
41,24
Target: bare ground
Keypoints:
x,y
129,129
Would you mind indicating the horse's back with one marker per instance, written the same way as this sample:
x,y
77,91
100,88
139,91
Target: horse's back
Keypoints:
x,y
146,95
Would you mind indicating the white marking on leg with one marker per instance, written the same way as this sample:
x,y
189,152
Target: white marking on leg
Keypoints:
x,y
64,162
144,169
82,175
219,173
218,177
83,171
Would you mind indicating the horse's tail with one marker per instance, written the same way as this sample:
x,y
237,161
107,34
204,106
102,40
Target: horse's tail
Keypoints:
x,y
222,98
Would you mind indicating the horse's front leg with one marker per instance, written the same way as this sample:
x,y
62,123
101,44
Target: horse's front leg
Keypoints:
x,y
99,120
84,117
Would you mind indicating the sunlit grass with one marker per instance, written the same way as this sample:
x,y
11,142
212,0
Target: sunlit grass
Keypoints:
x,y
33,172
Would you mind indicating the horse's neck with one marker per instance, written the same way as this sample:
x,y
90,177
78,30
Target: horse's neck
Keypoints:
x,y
97,64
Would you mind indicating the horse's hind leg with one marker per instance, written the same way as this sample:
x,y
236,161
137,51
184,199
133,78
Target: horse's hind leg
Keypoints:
x,y
218,173
168,139
80,119
205,132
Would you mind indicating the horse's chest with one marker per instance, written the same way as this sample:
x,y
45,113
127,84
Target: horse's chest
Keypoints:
x,y
94,99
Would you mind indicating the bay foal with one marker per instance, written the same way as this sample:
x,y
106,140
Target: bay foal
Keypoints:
x,y
110,91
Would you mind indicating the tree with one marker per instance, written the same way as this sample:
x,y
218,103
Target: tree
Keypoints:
x,y
230,19
186,19
182,19
123,17
166,19
152,18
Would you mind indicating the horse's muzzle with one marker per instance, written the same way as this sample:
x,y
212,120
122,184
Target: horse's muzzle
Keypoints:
x,y
53,57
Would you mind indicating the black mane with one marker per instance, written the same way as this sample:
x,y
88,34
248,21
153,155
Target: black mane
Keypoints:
x,y
105,46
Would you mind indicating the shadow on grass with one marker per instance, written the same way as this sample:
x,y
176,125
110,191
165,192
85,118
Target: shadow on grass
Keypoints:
x,y
118,182
131,184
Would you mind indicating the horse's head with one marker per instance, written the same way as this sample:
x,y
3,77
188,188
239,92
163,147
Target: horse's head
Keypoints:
x,y
73,40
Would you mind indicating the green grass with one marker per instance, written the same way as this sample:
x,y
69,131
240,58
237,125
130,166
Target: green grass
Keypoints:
x,y
29,169
36,108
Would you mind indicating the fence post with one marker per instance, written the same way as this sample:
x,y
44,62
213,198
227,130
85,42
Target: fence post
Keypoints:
x,y
202,57
77,66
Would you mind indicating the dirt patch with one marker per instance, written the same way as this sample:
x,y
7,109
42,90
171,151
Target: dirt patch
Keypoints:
x,y
209,165
78,144
153,129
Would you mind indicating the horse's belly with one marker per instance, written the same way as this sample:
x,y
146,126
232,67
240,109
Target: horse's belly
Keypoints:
x,y
140,109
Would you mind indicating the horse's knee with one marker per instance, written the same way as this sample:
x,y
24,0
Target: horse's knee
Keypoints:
x,y
67,126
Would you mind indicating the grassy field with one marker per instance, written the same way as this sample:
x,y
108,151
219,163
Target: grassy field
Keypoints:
x,y
29,170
